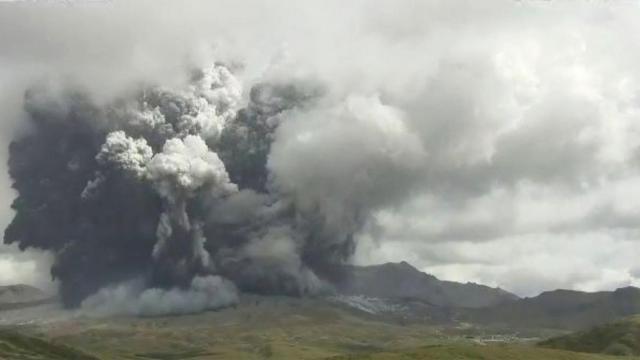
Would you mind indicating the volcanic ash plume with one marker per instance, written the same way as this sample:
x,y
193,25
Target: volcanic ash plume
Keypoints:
x,y
172,200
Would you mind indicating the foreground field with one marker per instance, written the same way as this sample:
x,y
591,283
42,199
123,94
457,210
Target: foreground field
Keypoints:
x,y
261,328
479,352
267,328
15,346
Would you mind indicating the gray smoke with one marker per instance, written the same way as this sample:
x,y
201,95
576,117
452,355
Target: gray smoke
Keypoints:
x,y
204,293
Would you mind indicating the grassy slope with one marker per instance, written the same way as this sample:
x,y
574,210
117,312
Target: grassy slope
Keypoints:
x,y
619,338
287,330
17,346
477,352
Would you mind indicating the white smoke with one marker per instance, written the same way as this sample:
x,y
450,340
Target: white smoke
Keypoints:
x,y
125,153
222,92
203,107
122,153
186,166
131,298
346,160
178,172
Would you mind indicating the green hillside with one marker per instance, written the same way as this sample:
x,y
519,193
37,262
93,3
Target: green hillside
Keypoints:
x,y
478,352
287,328
17,346
618,338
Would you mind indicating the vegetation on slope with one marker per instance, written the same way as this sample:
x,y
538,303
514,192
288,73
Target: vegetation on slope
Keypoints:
x,y
618,338
477,352
17,346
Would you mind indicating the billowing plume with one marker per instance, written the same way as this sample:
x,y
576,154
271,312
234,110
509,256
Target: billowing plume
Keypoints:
x,y
204,293
170,200
125,154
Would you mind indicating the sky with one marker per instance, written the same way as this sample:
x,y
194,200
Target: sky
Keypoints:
x,y
513,125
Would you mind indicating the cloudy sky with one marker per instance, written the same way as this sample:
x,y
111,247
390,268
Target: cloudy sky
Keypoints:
x,y
518,121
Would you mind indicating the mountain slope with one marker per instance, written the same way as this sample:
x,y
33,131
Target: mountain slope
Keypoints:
x,y
618,338
561,309
401,280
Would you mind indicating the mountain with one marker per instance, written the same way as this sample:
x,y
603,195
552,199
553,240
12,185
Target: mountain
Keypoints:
x,y
617,338
561,309
401,280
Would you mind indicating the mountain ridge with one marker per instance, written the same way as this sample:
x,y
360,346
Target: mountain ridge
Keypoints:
x,y
561,309
402,280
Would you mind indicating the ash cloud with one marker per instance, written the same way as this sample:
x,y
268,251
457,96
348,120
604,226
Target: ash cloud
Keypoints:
x,y
193,195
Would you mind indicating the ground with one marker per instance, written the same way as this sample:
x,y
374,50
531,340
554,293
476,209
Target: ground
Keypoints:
x,y
270,328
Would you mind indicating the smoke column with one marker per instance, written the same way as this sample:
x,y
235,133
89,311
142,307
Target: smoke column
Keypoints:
x,y
170,200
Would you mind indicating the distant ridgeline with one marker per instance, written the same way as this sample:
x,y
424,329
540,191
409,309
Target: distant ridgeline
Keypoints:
x,y
399,290
562,309
483,305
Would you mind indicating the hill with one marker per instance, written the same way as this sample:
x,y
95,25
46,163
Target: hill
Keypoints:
x,y
22,296
560,309
401,280
20,293
618,338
